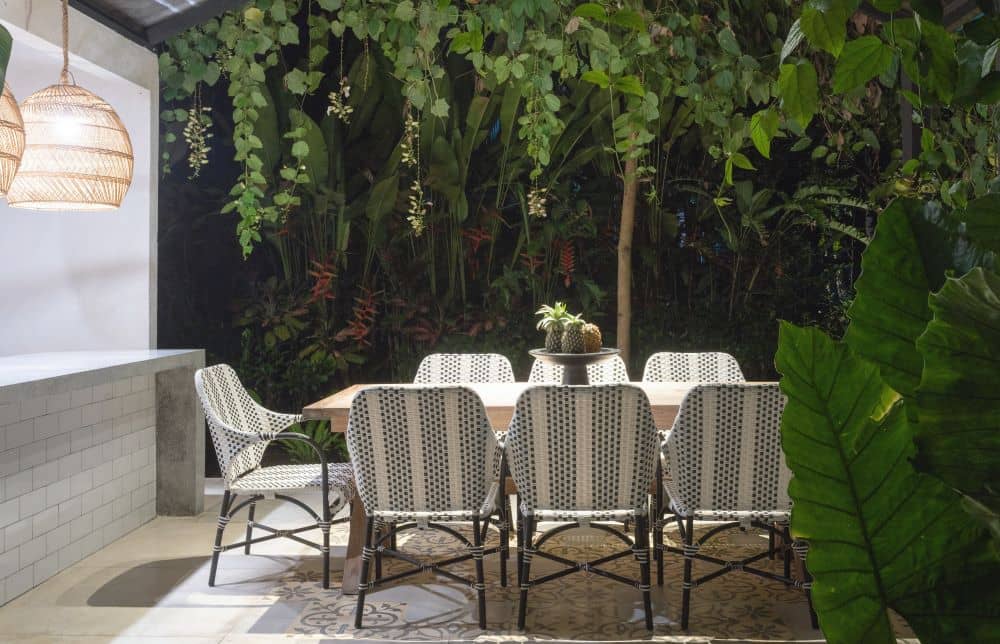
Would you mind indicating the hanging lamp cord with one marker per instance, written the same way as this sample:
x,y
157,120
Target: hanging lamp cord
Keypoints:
x,y
64,76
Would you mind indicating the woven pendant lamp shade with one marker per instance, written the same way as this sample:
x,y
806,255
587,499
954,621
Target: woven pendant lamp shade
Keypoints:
x,y
11,139
78,155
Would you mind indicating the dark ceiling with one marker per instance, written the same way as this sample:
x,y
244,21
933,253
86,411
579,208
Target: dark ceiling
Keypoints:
x,y
150,22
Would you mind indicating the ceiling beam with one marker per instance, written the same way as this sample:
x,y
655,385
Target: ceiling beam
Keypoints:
x,y
132,32
196,15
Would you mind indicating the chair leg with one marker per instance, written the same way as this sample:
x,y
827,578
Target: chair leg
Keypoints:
x,y
520,543
324,527
504,525
642,554
525,578
787,552
227,499
510,518
802,550
477,555
658,525
365,563
770,542
250,513
688,563
378,551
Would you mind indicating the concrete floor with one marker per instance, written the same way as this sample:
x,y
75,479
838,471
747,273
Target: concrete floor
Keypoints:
x,y
151,586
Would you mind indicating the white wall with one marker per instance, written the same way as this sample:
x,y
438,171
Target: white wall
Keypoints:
x,y
74,280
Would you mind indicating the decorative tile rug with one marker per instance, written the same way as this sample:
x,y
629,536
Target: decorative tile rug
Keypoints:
x,y
580,606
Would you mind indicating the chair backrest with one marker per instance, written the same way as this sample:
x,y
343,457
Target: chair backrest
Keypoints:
x,y
458,368
228,406
724,454
421,449
578,448
692,367
609,372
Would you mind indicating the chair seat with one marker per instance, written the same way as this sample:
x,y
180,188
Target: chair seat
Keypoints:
x,y
582,515
443,516
282,478
772,516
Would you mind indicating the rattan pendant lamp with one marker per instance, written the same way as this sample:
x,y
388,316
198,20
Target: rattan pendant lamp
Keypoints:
x,y
77,155
11,139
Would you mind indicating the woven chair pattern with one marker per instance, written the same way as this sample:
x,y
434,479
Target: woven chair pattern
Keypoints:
x,y
724,454
582,452
425,453
458,368
240,428
608,372
692,367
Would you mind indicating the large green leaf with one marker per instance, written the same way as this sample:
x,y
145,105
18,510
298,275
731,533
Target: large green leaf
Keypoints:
x,y
982,222
825,29
318,160
958,401
799,91
383,198
6,44
906,260
882,535
863,59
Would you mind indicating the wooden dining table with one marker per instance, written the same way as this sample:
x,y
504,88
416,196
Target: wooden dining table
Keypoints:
x,y
499,399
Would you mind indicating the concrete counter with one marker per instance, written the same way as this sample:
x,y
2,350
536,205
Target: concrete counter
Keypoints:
x,y
92,445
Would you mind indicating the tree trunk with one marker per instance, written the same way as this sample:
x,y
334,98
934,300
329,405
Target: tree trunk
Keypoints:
x,y
629,194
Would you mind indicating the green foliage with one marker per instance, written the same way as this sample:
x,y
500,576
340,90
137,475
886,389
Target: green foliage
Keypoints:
x,y
332,444
882,535
6,43
505,106
958,400
910,394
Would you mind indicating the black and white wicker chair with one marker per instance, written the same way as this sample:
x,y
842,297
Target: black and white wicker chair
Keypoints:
x,y
460,368
425,457
669,366
608,372
726,465
241,430
582,455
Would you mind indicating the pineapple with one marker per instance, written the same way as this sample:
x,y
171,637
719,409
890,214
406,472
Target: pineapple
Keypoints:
x,y
572,339
591,338
553,319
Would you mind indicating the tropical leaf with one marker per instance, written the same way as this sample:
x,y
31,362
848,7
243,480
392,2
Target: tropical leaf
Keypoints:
x,y
826,27
383,198
958,401
881,535
317,162
913,247
799,91
982,222
6,44
863,59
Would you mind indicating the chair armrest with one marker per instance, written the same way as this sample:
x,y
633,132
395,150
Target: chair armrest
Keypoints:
x,y
295,436
280,421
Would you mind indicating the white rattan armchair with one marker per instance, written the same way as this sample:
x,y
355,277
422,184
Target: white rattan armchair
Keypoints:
x,y
608,372
726,464
459,368
580,455
241,431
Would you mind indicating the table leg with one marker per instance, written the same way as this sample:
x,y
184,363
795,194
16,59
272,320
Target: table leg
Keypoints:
x,y
355,543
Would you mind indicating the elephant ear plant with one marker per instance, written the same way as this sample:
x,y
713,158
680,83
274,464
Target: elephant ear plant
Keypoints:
x,y
893,435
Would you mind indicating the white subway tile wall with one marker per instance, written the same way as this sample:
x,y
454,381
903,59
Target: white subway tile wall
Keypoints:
x,y
77,471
